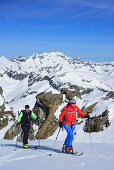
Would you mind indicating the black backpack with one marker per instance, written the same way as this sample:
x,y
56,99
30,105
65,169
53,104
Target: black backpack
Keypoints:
x,y
26,117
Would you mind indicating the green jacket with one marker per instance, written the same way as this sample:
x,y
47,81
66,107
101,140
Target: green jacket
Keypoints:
x,y
21,115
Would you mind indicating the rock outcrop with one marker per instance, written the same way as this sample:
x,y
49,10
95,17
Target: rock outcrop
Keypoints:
x,y
4,116
97,123
109,95
46,105
73,90
1,91
14,131
89,109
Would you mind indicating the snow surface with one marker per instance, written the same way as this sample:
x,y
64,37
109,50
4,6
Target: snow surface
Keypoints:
x,y
100,157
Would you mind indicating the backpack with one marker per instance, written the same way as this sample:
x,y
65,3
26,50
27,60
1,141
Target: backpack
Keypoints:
x,y
26,118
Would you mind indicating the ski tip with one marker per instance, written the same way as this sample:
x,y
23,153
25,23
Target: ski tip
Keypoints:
x,y
78,154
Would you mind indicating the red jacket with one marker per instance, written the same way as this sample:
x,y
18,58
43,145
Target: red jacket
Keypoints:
x,y
68,115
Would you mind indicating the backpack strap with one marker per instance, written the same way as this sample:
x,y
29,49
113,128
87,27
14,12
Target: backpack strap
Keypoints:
x,y
64,118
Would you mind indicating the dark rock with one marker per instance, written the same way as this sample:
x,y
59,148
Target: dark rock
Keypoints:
x,y
97,123
16,76
110,95
14,131
11,132
19,59
56,85
46,105
86,91
1,91
89,109
33,78
4,120
73,90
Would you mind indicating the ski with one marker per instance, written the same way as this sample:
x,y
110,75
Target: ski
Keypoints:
x,y
78,154
29,147
75,153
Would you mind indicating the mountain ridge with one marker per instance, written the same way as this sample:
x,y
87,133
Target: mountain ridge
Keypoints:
x,y
22,79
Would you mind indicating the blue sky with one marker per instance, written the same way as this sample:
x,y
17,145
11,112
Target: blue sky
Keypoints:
x,y
78,28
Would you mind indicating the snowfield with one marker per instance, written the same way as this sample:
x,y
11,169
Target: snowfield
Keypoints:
x,y
100,158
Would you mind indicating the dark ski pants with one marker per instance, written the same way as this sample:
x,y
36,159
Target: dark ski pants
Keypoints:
x,y
25,128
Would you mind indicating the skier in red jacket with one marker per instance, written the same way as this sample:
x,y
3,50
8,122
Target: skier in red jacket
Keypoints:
x,y
67,119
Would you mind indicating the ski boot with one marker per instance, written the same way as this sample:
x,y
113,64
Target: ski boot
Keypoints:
x,y
25,146
64,148
69,150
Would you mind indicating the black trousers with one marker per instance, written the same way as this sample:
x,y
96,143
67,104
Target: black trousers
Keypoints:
x,y
25,128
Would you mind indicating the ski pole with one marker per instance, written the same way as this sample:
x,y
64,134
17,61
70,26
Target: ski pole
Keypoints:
x,y
55,142
38,129
90,137
38,119
17,138
17,133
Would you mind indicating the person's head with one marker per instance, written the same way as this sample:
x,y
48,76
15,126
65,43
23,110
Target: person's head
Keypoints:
x,y
72,102
27,107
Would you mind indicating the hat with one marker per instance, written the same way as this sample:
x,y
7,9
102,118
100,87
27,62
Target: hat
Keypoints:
x,y
72,101
26,106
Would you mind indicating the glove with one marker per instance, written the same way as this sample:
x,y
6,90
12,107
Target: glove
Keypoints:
x,y
38,118
60,124
87,116
18,124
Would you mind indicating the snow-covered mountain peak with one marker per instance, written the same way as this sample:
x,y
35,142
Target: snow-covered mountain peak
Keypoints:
x,y
34,56
62,69
19,59
3,58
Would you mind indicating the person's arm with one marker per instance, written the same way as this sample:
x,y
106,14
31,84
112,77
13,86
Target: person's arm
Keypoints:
x,y
34,116
20,116
63,113
80,112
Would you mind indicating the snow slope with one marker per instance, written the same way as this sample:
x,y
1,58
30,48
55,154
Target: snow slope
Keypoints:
x,y
100,158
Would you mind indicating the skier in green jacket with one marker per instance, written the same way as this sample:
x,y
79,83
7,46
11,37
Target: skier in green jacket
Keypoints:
x,y
25,120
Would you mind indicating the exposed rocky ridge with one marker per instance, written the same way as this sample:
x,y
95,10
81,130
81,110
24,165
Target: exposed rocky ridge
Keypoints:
x,y
89,109
19,59
15,75
4,117
109,95
47,104
85,91
1,91
14,131
71,92
97,123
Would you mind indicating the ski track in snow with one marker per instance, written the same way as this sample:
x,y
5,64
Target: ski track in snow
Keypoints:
x,y
9,155
13,155
4,161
